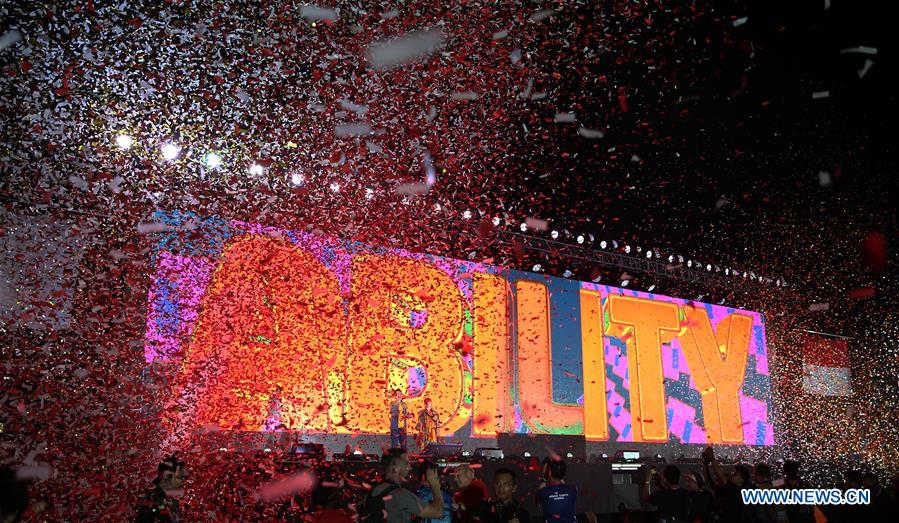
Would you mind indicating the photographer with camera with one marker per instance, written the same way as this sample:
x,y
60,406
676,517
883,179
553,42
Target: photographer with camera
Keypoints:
x,y
663,491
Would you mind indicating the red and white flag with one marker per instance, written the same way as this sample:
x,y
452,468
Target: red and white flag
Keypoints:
x,y
825,366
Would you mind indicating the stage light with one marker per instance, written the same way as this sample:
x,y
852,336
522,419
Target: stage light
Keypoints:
x,y
523,227
334,186
124,141
369,194
496,221
537,268
649,254
708,267
554,234
466,215
627,249
603,244
212,160
170,151
580,238
256,169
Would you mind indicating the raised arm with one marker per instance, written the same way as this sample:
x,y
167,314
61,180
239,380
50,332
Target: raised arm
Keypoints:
x,y
434,509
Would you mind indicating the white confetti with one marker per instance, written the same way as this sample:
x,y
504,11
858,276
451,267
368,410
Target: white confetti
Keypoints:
x,y
414,46
865,68
152,227
541,15
10,38
590,133
466,95
350,106
315,13
353,129
862,49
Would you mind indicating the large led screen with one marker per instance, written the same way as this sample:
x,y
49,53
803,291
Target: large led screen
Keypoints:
x,y
283,330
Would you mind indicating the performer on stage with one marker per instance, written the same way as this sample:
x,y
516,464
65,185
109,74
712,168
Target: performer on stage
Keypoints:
x,y
399,413
428,424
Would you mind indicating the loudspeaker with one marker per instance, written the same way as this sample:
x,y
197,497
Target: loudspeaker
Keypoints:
x,y
442,450
542,445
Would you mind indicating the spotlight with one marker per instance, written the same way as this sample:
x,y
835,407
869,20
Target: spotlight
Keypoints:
x,y
603,244
170,151
580,238
213,160
124,141
466,215
496,221
523,227
335,186
649,254
554,234
256,169
369,194
627,249
297,178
